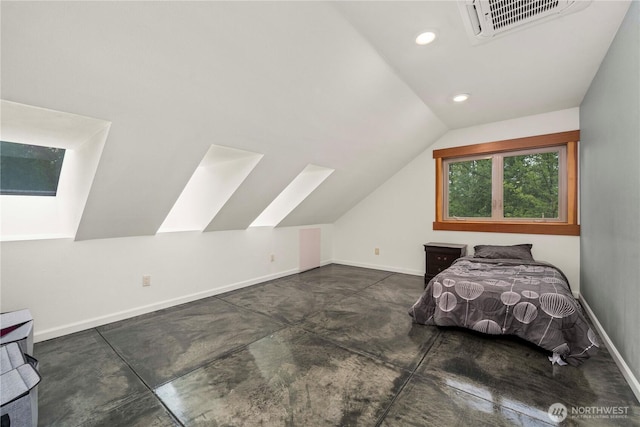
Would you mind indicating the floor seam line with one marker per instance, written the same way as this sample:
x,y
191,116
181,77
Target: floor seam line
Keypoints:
x,y
121,357
354,350
409,378
220,356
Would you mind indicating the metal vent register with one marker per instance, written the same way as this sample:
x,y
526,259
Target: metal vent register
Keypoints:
x,y
485,19
505,13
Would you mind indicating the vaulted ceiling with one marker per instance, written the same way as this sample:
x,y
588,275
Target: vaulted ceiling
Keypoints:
x,y
341,85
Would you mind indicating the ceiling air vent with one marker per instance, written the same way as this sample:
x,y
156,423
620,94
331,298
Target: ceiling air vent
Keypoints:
x,y
486,19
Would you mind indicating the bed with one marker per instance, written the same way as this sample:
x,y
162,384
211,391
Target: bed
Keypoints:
x,y
502,290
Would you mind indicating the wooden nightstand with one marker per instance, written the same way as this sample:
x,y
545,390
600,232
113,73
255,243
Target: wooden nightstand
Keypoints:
x,y
440,256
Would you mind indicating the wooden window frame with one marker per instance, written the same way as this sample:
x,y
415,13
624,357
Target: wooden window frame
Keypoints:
x,y
570,227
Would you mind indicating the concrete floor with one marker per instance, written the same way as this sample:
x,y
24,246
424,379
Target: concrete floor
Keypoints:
x,y
332,346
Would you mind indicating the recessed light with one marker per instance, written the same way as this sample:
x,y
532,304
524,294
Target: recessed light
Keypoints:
x,y
461,97
425,38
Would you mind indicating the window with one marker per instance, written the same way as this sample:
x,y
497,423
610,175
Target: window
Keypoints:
x,y
507,186
220,173
29,170
526,185
59,178
293,194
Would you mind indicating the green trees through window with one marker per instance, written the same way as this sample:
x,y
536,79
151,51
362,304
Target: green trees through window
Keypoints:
x,y
522,185
530,185
470,189
525,185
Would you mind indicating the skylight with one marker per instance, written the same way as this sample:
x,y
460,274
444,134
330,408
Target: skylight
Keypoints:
x,y
298,190
54,164
29,170
220,173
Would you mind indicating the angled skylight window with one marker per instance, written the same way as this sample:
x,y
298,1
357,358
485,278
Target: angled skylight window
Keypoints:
x,y
52,158
220,173
298,190
29,170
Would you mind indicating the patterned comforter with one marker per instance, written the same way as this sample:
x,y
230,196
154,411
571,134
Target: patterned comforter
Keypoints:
x,y
529,299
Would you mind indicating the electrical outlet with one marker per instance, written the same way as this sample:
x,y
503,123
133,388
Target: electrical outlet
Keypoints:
x,y
376,251
146,280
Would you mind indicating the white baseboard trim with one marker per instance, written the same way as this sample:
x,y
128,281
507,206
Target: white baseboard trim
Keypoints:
x,y
380,267
82,325
615,354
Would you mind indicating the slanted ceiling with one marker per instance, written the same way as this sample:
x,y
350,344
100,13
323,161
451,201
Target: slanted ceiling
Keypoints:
x,y
341,86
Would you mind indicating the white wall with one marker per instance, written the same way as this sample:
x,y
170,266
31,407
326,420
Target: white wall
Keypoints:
x,y
70,286
610,153
398,216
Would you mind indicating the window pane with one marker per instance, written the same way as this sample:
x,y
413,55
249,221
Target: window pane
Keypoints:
x,y
29,170
530,186
469,189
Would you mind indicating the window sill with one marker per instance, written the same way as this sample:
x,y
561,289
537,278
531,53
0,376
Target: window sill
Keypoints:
x,y
510,227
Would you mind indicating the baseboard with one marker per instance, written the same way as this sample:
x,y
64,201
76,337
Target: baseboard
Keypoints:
x,y
380,267
71,328
615,354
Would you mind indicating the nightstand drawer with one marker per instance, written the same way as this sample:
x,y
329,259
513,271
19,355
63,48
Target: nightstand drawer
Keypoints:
x,y
434,269
438,258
